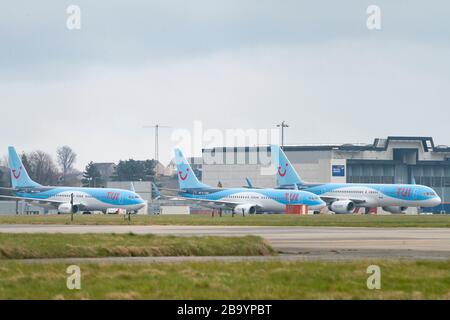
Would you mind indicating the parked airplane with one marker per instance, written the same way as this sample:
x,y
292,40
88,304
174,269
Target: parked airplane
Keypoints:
x,y
240,200
345,197
67,199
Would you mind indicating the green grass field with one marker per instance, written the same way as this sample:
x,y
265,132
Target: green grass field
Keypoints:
x,y
34,246
436,221
220,280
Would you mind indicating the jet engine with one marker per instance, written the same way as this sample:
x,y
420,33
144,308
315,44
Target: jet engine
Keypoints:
x,y
247,208
342,206
395,209
68,208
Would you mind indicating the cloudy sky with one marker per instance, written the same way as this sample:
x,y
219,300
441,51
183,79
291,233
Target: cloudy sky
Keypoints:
x,y
229,64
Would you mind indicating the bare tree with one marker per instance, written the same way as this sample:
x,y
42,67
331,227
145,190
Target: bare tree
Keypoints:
x,y
42,167
66,158
4,172
5,161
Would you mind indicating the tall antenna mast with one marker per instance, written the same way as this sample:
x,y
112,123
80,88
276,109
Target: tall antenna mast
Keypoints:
x,y
156,127
282,125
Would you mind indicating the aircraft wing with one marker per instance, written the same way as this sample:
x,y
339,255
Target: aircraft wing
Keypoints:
x,y
9,189
40,201
168,189
211,203
328,200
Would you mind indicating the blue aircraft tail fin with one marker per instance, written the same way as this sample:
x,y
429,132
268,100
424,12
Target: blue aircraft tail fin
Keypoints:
x,y
155,192
413,180
186,176
19,175
249,183
286,174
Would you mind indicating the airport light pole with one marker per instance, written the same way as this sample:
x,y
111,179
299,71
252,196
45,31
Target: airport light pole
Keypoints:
x,y
156,127
71,207
282,125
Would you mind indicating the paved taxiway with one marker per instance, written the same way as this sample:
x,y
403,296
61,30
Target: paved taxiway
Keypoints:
x,y
307,242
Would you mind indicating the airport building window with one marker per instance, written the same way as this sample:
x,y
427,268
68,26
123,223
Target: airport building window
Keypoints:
x,y
437,182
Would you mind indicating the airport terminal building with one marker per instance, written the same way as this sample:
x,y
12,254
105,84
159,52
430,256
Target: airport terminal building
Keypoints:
x,y
390,160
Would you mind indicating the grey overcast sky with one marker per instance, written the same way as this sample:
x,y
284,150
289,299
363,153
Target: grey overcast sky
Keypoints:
x,y
230,64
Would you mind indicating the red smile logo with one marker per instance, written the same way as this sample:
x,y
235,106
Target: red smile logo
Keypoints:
x,y
281,173
17,176
180,173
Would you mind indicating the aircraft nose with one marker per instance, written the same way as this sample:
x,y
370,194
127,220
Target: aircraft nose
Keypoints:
x,y
436,201
140,204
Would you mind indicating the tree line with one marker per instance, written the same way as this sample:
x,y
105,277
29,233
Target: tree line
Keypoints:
x,y
125,170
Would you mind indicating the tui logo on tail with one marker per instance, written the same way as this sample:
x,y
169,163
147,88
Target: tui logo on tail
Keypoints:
x,y
17,176
180,173
281,173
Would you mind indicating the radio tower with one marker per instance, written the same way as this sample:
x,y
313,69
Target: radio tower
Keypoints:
x,y
282,125
156,127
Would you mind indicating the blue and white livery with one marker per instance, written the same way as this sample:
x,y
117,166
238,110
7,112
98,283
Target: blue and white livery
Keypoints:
x,y
345,197
67,199
240,200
